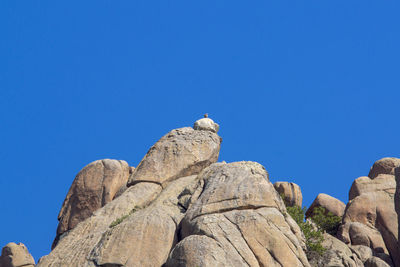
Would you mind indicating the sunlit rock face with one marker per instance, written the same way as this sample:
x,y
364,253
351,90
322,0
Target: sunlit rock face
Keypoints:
x,y
370,218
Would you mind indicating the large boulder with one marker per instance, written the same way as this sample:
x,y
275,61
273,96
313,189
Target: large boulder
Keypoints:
x,y
370,218
290,192
146,237
94,186
75,248
206,124
384,166
330,204
16,255
181,152
376,262
236,218
364,184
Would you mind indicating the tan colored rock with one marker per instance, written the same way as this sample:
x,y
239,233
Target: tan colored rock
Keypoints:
x,y
362,252
93,187
331,204
199,250
75,248
238,208
291,193
146,237
364,184
370,218
376,262
16,255
384,166
181,152
356,233
337,254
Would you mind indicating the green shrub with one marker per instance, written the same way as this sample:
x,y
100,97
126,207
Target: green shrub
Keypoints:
x,y
121,219
326,221
297,213
314,237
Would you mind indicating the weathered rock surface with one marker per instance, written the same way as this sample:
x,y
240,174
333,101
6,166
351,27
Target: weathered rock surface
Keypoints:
x,y
146,237
206,124
376,262
181,152
291,193
384,166
370,218
236,218
16,255
364,184
74,249
331,204
362,252
93,187
337,254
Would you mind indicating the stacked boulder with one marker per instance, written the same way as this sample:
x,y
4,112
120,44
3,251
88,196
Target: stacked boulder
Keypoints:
x,y
290,193
370,218
179,207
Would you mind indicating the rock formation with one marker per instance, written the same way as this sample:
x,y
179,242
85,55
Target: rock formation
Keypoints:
x,y
94,186
206,124
16,255
291,193
180,207
330,204
236,210
370,218
181,152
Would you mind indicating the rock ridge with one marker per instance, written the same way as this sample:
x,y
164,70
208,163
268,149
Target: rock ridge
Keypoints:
x,y
180,207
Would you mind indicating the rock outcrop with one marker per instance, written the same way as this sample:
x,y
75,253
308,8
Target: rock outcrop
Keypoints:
x,y
94,186
16,255
370,217
146,237
180,208
181,152
236,218
291,193
384,166
76,247
330,204
337,254
206,124
139,228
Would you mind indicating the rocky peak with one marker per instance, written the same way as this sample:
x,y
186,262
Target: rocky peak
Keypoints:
x,y
180,207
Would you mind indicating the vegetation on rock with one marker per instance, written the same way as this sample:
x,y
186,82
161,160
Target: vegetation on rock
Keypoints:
x,y
321,221
121,219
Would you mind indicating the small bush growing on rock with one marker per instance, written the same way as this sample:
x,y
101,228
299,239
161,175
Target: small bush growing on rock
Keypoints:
x,y
121,219
326,221
313,235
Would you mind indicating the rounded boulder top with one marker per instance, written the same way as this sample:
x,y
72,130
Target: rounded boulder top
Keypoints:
x,y
206,124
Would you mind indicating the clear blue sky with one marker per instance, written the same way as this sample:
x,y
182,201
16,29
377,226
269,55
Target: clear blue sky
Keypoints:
x,y
310,89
